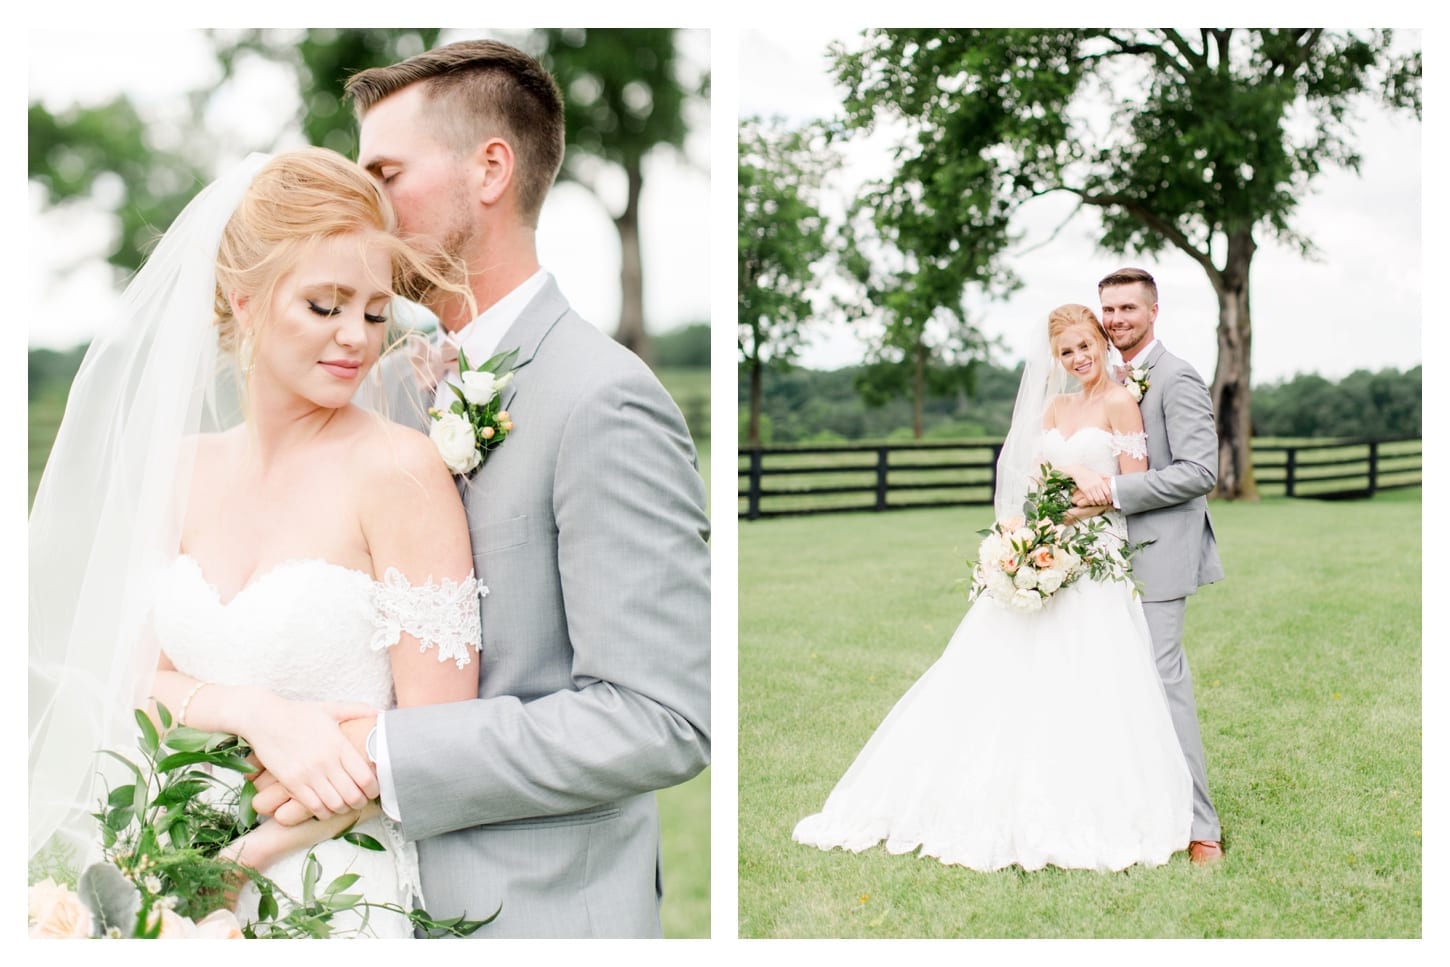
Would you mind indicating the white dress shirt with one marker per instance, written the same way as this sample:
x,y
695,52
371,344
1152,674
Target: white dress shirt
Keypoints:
x,y
1143,355
479,340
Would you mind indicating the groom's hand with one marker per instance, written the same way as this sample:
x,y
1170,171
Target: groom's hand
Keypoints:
x,y
273,799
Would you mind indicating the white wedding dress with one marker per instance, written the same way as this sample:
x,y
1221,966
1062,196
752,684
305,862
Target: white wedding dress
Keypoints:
x,y
1035,739
316,631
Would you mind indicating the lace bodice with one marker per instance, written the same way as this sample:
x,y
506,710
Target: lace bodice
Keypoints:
x,y
310,629
1092,446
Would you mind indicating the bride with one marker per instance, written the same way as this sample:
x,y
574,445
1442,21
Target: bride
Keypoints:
x,y
274,577
1038,738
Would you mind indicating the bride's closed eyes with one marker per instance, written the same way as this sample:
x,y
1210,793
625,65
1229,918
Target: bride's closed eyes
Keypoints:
x,y
334,310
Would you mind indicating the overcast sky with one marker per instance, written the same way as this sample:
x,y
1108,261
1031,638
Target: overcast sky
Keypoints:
x,y
1357,308
69,281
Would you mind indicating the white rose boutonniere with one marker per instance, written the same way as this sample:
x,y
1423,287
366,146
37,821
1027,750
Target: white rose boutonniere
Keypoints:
x,y
1136,382
453,436
474,425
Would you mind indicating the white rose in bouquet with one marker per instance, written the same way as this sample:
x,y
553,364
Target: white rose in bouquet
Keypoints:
x,y
1000,585
1025,578
992,548
453,436
1026,600
1050,580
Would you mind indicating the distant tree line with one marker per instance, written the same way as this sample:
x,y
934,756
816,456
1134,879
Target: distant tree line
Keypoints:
x,y
51,370
804,406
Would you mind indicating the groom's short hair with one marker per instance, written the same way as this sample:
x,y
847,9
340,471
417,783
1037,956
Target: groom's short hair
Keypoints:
x,y
1128,276
477,89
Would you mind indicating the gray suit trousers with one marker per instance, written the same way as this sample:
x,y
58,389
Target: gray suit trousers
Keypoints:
x,y
1165,625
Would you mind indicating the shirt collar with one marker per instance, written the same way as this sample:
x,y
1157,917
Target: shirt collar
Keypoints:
x,y
1142,358
480,338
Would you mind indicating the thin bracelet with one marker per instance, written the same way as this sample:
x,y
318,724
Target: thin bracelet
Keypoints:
x,y
186,702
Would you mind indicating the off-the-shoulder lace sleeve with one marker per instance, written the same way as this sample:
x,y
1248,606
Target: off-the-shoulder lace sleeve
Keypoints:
x,y
444,615
1133,444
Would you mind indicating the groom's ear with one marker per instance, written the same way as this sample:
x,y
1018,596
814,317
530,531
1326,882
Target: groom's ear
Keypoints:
x,y
495,165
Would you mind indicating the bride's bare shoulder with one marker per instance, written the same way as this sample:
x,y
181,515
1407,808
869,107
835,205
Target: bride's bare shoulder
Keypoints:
x,y
397,458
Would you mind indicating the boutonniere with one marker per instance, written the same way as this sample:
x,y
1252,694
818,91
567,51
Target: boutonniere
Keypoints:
x,y
1136,382
475,425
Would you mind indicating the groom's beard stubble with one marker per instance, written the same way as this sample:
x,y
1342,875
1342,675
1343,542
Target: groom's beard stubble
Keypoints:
x,y
446,260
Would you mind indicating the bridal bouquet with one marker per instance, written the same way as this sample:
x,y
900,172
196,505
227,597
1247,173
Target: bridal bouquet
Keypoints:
x,y
163,874
474,425
1024,560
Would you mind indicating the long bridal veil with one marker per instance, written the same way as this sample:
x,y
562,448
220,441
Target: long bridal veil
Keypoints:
x,y
1021,455
107,514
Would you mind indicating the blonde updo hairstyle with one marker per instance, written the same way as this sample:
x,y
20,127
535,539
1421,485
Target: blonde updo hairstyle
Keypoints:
x,y
295,201
1075,316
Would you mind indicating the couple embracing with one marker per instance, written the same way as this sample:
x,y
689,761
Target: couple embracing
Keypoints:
x,y
1059,725
490,671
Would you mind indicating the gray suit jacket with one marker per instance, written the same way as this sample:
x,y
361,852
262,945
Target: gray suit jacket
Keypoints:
x,y
1166,504
588,526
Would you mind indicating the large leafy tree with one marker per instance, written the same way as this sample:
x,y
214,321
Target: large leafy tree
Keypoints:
x,y
1215,136
627,94
148,181
914,255
782,241
916,243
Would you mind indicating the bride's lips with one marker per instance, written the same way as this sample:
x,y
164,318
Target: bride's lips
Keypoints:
x,y
341,368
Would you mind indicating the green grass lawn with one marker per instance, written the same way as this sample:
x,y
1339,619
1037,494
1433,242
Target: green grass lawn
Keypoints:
x,y
1307,665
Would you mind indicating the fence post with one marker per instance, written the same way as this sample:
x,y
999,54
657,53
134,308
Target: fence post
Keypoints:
x,y
1374,449
1289,471
881,458
996,455
752,499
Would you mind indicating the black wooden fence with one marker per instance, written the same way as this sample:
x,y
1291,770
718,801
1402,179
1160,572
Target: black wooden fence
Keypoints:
x,y
776,482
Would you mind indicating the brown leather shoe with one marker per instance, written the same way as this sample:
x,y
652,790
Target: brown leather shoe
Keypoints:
x,y
1204,852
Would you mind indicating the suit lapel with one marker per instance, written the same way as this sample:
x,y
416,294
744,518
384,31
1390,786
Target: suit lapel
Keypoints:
x,y
531,328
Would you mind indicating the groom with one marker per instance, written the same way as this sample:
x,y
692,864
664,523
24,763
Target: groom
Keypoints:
x,y
1167,505
588,527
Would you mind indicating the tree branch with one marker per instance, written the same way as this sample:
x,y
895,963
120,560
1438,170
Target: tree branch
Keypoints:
x,y
1155,222
1195,59
1155,51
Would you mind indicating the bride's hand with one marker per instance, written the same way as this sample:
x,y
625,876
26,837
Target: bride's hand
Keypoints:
x,y
272,840
302,746
1093,485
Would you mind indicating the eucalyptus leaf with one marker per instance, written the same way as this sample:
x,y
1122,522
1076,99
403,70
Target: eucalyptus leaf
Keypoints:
x,y
112,899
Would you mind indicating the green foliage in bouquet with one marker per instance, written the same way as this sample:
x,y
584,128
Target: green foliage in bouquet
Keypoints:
x,y
1023,561
163,835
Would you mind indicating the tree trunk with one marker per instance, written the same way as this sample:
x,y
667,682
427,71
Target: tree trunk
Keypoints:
x,y
918,390
1230,392
631,331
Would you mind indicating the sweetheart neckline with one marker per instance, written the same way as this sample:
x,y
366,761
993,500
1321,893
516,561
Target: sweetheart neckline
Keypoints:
x,y
261,577
1081,429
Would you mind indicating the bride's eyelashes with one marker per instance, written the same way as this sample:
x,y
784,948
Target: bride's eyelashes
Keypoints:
x,y
334,310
